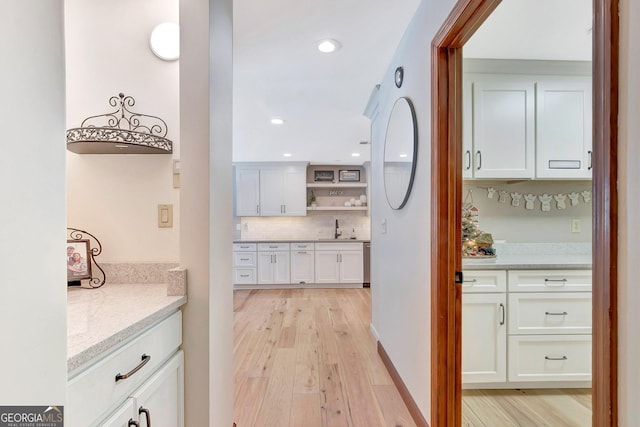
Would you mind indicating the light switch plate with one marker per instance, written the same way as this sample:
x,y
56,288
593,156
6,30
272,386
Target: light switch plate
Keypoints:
x,y
165,216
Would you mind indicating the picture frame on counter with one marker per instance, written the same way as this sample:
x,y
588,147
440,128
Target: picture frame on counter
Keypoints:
x,y
78,260
349,175
323,175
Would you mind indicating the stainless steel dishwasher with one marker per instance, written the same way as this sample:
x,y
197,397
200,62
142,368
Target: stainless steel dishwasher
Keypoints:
x,y
366,253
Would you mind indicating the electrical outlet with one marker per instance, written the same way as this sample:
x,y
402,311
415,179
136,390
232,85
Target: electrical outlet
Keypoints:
x,y
576,226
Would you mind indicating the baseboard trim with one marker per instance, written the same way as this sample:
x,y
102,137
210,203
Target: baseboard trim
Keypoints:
x,y
374,332
414,411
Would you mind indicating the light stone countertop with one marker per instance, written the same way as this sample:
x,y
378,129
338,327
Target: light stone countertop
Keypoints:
x,y
100,319
302,240
529,262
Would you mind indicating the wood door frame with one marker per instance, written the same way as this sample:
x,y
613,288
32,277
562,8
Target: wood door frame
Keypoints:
x,y
446,187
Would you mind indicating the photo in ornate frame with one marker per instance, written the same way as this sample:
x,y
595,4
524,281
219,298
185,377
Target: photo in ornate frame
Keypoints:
x,y
78,267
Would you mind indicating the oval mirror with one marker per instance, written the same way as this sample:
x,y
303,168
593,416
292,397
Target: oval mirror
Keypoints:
x,y
400,153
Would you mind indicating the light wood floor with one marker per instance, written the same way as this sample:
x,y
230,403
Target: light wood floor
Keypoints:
x,y
527,408
305,357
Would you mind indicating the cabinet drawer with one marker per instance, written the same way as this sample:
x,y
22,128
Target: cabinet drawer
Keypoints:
x,y
246,276
550,358
484,281
244,247
92,392
273,247
549,280
550,313
307,246
244,259
339,246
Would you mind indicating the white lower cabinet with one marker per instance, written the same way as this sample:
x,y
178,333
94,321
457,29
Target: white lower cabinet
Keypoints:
x,y
484,338
245,263
303,262
145,372
273,263
339,263
537,330
161,397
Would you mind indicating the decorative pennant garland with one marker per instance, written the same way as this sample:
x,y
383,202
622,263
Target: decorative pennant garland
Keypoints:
x,y
546,200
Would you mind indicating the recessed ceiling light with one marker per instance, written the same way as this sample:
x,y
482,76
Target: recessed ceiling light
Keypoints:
x,y
403,155
277,121
328,45
121,146
355,154
287,154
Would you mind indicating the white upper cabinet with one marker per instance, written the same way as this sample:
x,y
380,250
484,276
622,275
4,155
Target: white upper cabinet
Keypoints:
x,y
517,126
503,127
564,134
271,190
247,192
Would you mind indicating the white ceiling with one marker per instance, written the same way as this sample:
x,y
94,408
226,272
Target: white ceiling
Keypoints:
x,y
278,71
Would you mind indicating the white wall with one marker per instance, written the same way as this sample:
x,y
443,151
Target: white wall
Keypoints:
x,y
629,206
519,225
115,197
33,323
206,223
400,285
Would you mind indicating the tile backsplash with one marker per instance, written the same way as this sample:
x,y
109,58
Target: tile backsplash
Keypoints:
x,y
316,225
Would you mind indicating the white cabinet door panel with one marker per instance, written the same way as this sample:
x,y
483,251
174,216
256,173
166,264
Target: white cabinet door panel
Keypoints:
x,y
564,134
271,192
295,192
247,192
327,267
161,397
503,128
265,268
351,267
281,272
484,338
302,266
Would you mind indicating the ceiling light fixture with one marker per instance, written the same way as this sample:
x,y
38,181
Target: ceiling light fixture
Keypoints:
x,y
355,154
165,41
287,154
403,155
277,121
328,45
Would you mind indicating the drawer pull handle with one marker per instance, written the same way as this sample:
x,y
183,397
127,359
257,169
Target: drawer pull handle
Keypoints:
x,y
302,252
244,275
555,358
561,282
147,415
273,247
133,423
244,259
549,313
503,314
244,247
471,281
145,360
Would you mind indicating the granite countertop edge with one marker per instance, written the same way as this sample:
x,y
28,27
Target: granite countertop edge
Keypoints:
x,y
115,339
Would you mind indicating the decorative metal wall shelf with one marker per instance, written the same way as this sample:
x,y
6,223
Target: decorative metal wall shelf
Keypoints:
x,y
120,132
95,249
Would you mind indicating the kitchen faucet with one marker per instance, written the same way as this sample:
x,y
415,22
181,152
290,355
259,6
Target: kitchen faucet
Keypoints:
x,y
337,232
